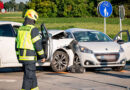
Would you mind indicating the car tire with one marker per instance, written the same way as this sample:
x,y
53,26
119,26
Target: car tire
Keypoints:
x,y
120,68
77,60
77,69
60,61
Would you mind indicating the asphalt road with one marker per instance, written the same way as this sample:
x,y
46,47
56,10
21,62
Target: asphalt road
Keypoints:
x,y
101,79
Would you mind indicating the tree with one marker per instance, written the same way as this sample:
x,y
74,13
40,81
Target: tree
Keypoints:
x,y
10,6
21,6
45,8
73,8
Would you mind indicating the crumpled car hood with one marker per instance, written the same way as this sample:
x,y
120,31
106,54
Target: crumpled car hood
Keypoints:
x,y
57,34
59,38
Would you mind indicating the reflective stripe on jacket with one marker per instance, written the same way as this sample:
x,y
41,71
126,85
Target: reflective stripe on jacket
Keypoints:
x,y
24,40
27,43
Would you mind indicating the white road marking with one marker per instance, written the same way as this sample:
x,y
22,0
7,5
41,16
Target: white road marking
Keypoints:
x,y
7,80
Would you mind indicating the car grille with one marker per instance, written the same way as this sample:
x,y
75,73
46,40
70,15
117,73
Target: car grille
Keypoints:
x,y
107,57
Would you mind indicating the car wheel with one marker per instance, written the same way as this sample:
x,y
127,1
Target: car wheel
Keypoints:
x,y
118,68
77,60
60,61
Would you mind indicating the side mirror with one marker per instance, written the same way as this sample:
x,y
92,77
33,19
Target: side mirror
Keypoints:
x,y
120,41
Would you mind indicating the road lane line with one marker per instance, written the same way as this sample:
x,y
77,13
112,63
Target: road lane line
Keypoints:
x,y
7,80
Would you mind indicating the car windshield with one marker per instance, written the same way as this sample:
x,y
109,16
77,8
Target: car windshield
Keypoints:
x,y
91,36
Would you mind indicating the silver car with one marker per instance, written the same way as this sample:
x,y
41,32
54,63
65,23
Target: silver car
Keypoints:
x,y
96,49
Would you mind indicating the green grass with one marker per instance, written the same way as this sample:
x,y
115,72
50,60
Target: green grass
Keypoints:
x,y
96,23
98,20
9,14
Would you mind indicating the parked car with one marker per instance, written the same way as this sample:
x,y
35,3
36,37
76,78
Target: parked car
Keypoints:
x,y
59,57
96,49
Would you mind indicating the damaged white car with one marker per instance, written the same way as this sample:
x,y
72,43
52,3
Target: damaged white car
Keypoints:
x,y
96,49
59,55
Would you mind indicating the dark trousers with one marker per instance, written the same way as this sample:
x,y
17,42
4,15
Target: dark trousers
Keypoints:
x,y
29,78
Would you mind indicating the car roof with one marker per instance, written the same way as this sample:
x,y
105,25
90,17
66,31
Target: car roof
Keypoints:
x,y
54,31
78,29
10,22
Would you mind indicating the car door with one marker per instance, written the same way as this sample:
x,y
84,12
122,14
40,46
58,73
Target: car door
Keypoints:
x,y
46,41
7,46
124,42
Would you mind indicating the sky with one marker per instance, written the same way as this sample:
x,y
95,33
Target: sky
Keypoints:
x,y
17,1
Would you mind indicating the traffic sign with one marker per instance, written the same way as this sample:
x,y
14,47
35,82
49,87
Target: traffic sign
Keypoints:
x,y
105,8
121,11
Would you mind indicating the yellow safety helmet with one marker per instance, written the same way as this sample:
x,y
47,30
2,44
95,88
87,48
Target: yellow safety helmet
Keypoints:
x,y
32,14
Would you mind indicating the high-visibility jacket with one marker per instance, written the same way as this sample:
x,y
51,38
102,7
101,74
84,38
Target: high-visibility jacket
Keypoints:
x,y
26,42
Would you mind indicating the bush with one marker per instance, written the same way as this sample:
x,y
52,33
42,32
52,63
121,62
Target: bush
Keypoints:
x,y
73,8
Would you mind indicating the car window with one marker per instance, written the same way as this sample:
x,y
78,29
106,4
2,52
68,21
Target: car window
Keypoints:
x,y
6,30
16,28
69,35
91,36
125,37
50,35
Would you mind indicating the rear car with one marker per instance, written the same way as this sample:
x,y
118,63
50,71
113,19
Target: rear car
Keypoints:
x,y
58,56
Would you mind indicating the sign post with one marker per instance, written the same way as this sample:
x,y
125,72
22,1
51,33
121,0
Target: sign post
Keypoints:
x,y
121,16
105,25
105,10
121,28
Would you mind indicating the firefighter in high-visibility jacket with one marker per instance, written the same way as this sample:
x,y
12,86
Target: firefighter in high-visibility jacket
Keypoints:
x,y
29,45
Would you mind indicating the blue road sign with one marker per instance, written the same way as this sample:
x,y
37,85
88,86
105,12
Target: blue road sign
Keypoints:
x,y
105,8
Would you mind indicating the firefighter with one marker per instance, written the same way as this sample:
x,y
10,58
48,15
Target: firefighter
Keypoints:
x,y
29,46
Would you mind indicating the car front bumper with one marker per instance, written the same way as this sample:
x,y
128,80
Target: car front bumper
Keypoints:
x,y
90,60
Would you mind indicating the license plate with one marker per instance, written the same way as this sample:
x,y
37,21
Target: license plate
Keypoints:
x,y
107,57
